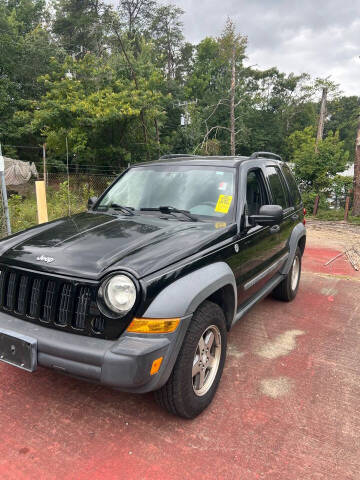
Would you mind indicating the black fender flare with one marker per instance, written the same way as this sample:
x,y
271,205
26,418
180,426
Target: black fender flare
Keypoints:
x,y
298,232
182,297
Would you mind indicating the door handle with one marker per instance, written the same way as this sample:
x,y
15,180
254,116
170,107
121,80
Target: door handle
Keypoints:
x,y
275,229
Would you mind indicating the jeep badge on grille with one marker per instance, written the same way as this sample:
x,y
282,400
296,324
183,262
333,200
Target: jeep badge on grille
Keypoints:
x,y
42,258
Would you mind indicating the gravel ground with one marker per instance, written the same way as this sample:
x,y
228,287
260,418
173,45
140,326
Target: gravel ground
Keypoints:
x,y
332,234
339,235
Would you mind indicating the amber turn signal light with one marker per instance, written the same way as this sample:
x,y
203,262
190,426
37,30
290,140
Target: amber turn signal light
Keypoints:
x,y
153,325
156,365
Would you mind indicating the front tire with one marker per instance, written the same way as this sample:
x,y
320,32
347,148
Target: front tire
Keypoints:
x,y
199,366
288,288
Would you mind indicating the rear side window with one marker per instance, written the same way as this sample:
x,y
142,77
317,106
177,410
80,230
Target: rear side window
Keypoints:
x,y
294,191
278,189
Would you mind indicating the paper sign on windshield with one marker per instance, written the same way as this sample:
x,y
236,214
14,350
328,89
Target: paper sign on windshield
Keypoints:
x,y
223,203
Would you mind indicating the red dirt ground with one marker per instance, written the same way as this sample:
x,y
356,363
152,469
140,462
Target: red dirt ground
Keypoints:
x,y
287,407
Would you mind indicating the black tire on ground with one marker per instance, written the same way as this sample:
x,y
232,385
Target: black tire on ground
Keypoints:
x,y
178,395
288,288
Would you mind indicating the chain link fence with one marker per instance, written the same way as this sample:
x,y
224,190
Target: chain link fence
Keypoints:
x,y
22,198
95,183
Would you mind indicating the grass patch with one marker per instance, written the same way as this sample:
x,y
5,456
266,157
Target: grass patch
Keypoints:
x,y
334,216
23,211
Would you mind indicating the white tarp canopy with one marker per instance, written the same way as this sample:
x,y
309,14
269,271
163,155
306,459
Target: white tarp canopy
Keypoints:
x,y
18,172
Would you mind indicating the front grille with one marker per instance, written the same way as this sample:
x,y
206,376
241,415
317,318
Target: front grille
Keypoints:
x,y
49,307
11,291
65,307
35,298
52,302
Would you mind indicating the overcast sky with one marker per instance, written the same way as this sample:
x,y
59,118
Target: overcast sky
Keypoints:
x,y
320,37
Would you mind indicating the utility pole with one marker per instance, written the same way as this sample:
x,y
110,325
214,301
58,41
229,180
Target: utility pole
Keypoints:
x,y
232,102
4,193
321,124
356,203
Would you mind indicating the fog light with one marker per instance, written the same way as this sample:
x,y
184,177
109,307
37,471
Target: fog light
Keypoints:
x,y
156,365
153,325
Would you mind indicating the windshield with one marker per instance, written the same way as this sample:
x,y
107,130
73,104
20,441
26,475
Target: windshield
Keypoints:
x,y
203,191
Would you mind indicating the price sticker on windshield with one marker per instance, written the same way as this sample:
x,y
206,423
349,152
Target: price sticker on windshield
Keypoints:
x,y
223,204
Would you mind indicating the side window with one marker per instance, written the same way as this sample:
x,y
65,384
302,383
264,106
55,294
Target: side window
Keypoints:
x,y
294,191
255,192
278,189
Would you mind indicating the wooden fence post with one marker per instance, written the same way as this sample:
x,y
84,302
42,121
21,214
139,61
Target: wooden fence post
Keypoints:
x,y
41,202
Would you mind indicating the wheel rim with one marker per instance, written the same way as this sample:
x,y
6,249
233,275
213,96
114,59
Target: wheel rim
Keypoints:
x,y
206,360
295,272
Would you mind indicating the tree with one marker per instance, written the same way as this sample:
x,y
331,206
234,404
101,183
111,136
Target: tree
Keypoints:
x,y
135,15
315,169
343,114
356,205
26,49
322,115
232,50
98,112
341,188
166,30
279,105
80,26
116,81
219,81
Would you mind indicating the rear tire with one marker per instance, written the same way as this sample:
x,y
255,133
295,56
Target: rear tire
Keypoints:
x,y
199,366
288,288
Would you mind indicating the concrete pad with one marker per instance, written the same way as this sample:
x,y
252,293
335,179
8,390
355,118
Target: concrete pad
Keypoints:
x,y
287,407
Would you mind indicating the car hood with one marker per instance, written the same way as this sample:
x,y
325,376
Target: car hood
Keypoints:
x,y
90,244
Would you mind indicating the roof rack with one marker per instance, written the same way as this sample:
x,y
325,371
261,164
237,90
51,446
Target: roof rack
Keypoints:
x,y
175,155
266,155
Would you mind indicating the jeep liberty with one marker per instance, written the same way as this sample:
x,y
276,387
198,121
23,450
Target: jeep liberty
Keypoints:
x,y
139,292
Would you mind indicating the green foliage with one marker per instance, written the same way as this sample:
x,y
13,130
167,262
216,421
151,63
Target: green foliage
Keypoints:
x,y
316,167
341,188
80,25
308,199
167,32
343,113
23,211
22,214
334,215
115,82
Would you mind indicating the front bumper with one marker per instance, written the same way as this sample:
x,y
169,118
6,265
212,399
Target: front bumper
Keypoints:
x,y
123,364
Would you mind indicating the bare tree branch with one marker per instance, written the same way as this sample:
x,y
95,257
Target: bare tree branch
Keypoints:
x,y
206,136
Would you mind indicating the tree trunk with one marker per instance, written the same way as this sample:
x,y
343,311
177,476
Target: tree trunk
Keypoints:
x,y
169,57
320,132
232,103
356,204
157,134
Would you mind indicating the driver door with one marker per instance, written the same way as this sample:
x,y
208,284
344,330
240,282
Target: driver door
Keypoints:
x,y
259,246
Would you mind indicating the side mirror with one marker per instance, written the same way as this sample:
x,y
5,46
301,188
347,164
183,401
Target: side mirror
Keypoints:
x,y
91,202
268,215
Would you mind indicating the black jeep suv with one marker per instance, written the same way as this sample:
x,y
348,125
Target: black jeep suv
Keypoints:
x,y
139,292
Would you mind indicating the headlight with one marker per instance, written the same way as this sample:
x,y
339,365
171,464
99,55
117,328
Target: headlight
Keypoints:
x,y
119,294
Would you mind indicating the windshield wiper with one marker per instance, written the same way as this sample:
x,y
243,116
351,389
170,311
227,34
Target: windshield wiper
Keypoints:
x,y
170,210
127,210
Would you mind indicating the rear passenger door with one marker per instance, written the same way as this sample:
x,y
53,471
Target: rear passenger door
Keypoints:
x,y
280,196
